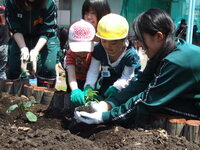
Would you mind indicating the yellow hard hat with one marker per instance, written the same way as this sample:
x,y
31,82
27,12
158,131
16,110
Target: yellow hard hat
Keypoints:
x,y
112,27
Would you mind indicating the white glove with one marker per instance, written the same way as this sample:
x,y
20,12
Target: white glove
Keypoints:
x,y
88,118
23,65
24,54
33,58
98,106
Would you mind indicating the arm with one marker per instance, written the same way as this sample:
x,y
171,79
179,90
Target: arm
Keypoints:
x,y
70,67
40,44
123,81
72,77
19,38
14,23
167,84
93,73
13,17
49,26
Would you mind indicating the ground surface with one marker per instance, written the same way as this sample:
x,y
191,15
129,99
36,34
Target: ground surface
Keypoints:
x,y
55,130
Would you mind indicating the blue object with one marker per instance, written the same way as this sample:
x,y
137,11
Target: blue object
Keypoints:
x,y
33,81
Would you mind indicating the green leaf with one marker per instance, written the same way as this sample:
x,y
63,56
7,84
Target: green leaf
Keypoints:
x,y
29,103
11,108
31,117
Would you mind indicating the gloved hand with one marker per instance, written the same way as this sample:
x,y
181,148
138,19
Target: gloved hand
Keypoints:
x,y
110,91
78,97
98,106
88,118
33,58
86,89
24,54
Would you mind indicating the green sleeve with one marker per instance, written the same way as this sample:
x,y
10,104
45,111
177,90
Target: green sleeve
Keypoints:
x,y
13,17
50,24
169,82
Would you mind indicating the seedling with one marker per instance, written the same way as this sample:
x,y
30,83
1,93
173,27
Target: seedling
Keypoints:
x,y
23,108
90,96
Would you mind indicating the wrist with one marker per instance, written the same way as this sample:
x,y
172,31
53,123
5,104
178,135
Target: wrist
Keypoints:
x,y
105,105
24,48
88,87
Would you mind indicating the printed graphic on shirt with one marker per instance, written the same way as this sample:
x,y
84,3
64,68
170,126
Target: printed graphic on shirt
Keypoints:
x,y
105,72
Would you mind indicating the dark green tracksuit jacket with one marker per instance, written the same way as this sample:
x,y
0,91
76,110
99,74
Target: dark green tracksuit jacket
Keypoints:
x,y
173,89
34,25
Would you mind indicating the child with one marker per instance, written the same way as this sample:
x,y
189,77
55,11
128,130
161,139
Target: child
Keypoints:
x,y
118,65
81,34
33,24
169,83
94,10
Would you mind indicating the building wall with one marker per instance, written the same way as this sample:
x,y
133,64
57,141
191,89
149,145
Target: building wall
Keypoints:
x,y
76,6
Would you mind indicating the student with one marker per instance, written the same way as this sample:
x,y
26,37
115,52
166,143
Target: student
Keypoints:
x,y
169,83
81,35
94,10
181,31
33,24
117,64
60,63
4,37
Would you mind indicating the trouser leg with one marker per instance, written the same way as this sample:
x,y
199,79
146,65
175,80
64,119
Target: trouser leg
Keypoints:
x,y
14,63
46,73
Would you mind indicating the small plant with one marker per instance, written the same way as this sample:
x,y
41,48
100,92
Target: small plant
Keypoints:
x,y
90,96
23,107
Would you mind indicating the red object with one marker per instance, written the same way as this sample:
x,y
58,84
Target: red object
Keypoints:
x,y
2,7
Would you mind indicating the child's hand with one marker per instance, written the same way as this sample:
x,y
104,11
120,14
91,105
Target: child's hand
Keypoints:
x,y
78,97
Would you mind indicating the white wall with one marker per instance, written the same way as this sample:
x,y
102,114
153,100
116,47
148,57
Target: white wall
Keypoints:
x,y
63,17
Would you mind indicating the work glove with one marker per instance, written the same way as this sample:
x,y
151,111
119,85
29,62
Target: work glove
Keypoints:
x,y
88,118
78,97
24,54
110,91
97,106
33,58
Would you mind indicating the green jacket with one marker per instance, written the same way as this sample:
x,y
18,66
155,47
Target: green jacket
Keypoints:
x,y
173,89
36,23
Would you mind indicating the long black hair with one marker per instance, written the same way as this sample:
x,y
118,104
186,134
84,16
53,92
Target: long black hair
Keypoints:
x,y
152,21
28,6
100,7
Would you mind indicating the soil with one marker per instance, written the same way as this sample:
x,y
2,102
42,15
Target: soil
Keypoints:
x,y
56,130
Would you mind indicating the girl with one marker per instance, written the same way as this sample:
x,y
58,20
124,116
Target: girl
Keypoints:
x,y
92,11
169,83
33,24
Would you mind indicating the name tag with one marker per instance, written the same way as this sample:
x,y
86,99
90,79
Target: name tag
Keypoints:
x,y
19,15
105,72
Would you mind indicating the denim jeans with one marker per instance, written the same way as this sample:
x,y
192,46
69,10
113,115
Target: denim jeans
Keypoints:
x,y
3,61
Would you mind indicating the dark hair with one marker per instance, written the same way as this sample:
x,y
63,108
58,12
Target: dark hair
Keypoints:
x,y
101,7
63,36
26,5
152,21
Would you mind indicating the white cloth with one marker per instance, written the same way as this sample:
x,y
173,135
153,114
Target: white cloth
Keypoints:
x,y
92,73
33,58
127,74
88,118
24,54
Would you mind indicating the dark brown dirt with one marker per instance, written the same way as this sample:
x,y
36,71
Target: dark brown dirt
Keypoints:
x,y
55,130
